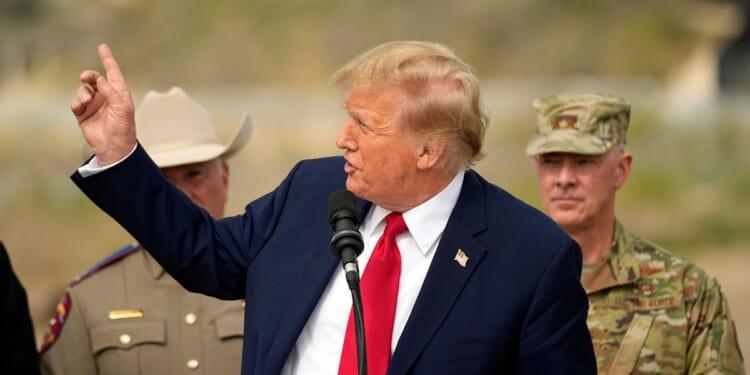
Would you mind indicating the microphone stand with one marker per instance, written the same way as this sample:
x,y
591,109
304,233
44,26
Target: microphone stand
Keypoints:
x,y
352,278
348,240
347,244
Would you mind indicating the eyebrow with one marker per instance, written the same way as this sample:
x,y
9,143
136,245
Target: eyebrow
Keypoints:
x,y
361,115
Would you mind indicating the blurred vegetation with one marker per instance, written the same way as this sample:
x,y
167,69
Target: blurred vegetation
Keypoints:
x,y
233,42
688,189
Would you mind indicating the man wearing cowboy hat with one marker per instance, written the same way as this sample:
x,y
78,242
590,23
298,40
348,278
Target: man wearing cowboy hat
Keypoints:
x,y
126,315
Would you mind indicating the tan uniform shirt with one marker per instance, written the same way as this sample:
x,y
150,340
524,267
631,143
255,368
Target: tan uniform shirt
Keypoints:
x,y
654,313
130,317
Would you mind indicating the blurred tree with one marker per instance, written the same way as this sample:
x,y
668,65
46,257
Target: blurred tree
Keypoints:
x,y
735,59
17,23
232,42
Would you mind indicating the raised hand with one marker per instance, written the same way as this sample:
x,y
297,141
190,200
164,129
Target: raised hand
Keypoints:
x,y
104,111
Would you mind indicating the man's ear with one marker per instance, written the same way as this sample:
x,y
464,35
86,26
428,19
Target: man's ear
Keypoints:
x,y
431,153
624,166
224,172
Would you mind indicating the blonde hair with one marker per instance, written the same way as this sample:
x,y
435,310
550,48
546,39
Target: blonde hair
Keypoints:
x,y
441,92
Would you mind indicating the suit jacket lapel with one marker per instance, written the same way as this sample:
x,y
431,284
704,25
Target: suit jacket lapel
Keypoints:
x,y
317,274
446,277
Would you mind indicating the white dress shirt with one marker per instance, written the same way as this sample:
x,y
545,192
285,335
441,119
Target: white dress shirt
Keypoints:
x,y
318,347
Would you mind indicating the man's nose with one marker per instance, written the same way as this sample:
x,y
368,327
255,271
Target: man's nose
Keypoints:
x,y
566,175
345,140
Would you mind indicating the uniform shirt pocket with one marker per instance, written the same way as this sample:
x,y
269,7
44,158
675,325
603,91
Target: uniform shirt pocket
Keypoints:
x,y
127,334
230,324
130,346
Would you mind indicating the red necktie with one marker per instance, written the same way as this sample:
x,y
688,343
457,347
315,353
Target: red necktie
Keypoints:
x,y
379,288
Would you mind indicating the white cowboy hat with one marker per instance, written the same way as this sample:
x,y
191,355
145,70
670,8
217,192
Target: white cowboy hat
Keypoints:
x,y
175,130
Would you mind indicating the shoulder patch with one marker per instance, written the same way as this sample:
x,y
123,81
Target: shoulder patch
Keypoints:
x,y
104,263
55,325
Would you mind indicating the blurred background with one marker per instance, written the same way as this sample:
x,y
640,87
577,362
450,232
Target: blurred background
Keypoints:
x,y
684,65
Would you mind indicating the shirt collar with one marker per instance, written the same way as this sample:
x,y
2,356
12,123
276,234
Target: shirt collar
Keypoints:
x,y
619,268
427,221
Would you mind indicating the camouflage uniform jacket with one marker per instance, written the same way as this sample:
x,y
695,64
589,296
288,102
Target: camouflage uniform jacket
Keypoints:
x,y
653,312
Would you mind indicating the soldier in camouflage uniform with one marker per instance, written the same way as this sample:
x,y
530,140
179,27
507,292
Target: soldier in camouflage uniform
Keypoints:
x,y
651,312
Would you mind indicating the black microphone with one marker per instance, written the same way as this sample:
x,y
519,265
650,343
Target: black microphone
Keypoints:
x,y
346,242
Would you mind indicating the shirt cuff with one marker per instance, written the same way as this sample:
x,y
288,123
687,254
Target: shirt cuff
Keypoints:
x,y
92,167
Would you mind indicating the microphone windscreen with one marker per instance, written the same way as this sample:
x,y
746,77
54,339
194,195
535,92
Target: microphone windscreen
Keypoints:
x,y
342,204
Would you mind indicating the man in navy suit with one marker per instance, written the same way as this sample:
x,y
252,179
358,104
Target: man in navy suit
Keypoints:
x,y
487,284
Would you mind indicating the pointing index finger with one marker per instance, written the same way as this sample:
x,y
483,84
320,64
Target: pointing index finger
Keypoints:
x,y
111,67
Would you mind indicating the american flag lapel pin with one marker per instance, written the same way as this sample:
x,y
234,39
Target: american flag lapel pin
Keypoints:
x,y
461,258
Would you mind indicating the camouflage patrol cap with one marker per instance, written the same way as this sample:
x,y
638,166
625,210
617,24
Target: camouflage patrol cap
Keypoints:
x,y
586,124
